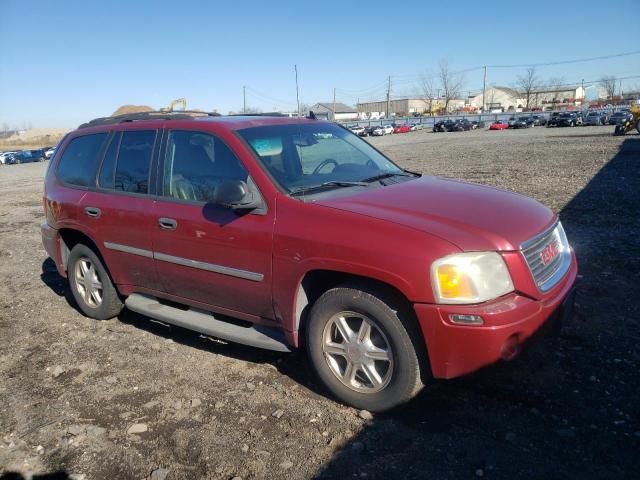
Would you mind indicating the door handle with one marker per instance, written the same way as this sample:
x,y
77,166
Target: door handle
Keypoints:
x,y
92,211
167,223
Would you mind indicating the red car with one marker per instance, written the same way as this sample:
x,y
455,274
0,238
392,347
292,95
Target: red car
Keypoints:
x,y
499,125
286,233
402,128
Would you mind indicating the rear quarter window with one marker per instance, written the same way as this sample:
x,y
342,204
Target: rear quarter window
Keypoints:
x,y
80,159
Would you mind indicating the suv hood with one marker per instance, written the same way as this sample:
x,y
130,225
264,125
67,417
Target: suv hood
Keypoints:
x,y
472,217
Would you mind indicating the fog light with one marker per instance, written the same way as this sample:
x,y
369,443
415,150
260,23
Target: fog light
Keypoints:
x,y
465,319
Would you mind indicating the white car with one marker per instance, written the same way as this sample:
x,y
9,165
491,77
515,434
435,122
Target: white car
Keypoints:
x,y
48,153
357,129
388,129
4,156
378,131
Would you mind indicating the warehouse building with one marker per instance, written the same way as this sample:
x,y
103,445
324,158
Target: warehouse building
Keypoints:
x,y
326,110
507,99
402,107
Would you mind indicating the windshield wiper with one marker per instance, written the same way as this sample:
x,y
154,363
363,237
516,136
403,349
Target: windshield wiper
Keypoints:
x,y
332,183
382,176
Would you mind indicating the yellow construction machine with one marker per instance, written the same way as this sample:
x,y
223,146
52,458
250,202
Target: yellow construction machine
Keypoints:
x,y
181,101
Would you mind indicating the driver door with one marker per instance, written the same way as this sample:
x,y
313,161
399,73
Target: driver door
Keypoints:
x,y
206,253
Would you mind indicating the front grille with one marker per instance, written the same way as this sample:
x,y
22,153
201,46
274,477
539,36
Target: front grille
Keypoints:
x,y
546,269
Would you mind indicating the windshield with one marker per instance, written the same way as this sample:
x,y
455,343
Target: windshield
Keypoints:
x,y
299,156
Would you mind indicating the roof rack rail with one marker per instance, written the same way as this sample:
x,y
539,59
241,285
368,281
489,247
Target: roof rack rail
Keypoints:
x,y
263,114
153,115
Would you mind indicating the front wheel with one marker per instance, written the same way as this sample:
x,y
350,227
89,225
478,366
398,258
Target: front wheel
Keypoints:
x,y
359,343
91,285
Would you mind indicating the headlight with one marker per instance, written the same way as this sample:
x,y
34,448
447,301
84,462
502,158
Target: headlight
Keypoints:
x,y
472,277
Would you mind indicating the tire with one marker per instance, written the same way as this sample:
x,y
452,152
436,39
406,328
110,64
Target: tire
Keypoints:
x,y
638,126
16,162
394,377
85,272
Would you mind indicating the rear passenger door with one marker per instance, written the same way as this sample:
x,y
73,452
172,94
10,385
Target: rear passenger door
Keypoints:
x,y
120,208
207,253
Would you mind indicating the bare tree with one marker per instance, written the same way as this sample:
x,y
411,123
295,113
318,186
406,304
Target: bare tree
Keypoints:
x,y
528,85
555,85
5,127
608,84
450,83
427,91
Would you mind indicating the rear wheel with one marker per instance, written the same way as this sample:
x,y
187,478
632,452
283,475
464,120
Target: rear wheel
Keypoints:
x,y
360,346
91,285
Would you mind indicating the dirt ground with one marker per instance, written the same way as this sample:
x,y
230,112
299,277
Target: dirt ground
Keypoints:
x,y
131,398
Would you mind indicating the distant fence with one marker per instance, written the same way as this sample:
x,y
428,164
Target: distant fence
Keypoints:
x,y
428,122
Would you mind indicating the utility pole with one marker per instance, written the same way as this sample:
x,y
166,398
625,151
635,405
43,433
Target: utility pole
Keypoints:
x,y
297,90
484,89
334,104
244,99
388,113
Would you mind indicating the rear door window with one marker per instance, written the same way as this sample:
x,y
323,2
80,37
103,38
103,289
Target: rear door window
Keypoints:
x,y
134,161
80,159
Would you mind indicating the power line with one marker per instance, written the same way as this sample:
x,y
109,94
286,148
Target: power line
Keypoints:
x,y
565,62
268,97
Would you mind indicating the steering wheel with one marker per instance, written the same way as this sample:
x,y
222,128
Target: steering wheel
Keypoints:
x,y
323,163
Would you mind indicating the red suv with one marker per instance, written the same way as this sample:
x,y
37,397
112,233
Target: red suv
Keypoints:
x,y
283,233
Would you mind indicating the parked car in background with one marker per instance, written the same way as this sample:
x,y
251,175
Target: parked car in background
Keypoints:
x,y
564,119
25,156
439,126
567,119
477,124
377,131
4,156
595,118
520,122
358,130
618,117
48,152
539,120
401,128
388,129
460,125
551,122
499,125
419,126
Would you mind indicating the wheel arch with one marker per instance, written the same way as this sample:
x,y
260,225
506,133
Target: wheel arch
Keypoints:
x,y
70,237
316,282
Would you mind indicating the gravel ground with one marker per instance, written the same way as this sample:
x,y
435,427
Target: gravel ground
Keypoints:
x,y
131,398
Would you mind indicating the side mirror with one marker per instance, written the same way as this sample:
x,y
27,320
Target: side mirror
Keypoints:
x,y
236,195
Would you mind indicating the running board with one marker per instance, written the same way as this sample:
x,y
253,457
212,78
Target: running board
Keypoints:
x,y
204,322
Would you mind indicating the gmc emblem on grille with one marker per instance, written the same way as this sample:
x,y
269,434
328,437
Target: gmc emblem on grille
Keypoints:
x,y
548,253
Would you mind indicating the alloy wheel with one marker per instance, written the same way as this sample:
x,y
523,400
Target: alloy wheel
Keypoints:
x,y
88,282
357,352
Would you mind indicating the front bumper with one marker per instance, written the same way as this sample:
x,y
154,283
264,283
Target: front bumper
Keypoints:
x,y
509,321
